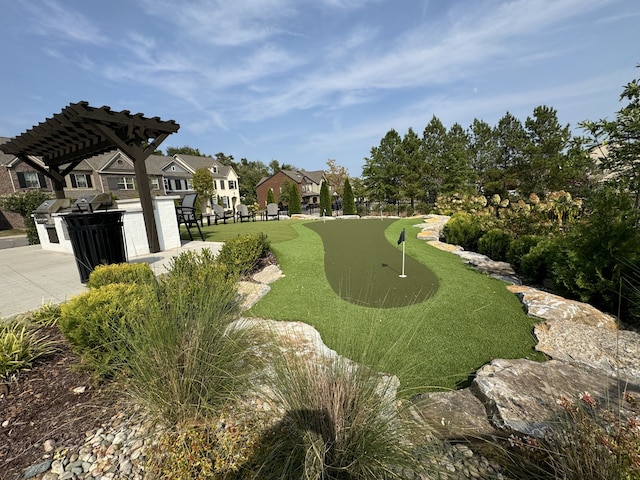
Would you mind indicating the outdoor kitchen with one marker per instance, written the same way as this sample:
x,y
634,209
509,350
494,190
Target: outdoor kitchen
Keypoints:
x,y
53,230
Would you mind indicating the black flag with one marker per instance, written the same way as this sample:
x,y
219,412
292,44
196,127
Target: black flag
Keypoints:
x,y
401,239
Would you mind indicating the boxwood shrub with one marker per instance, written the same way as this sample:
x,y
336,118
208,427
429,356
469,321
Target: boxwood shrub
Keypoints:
x,y
139,273
495,244
98,324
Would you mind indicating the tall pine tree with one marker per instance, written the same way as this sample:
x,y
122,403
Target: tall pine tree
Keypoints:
x,y
295,203
348,202
325,200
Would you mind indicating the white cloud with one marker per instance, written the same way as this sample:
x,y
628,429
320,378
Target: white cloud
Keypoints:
x,y
50,18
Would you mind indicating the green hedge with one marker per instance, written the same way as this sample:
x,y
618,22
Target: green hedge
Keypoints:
x,y
98,324
139,273
240,255
495,244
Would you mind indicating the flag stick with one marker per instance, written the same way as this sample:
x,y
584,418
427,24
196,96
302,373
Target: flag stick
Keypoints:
x,y
403,275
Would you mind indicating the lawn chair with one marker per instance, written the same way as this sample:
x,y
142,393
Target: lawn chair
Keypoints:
x,y
186,213
243,213
220,214
273,211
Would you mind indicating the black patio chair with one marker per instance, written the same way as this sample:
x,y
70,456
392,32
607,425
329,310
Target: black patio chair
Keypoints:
x,y
186,213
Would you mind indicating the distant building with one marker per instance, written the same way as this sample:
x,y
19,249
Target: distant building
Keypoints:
x,y
308,183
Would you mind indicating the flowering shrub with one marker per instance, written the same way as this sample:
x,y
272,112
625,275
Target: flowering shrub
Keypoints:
x,y
590,442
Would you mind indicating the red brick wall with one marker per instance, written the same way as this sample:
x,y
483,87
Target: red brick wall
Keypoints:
x,y
8,185
274,183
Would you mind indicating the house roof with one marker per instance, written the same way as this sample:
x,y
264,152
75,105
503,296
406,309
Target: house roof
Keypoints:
x,y
298,176
195,162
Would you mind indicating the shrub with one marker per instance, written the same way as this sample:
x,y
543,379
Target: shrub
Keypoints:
x,y
240,255
139,273
600,251
99,323
217,450
495,244
24,204
464,230
519,248
589,442
538,263
21,344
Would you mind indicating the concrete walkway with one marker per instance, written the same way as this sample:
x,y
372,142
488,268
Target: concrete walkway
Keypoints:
x,y
31,277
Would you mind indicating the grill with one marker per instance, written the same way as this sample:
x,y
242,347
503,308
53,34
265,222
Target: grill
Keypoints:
x,y
90,203
42,214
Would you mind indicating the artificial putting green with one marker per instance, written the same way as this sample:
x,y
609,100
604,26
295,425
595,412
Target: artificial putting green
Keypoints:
x,y
363,268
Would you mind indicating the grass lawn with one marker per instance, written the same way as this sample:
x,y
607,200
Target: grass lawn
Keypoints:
x,y
276,230
440,342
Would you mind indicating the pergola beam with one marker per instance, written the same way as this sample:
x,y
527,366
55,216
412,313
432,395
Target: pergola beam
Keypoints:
x,y
80,131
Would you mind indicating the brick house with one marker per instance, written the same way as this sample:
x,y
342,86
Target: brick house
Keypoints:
x,y
309,184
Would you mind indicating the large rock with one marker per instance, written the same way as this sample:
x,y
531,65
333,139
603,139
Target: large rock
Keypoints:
x,y
523,396
552,307
613,351
249,293
495,269
432,227
268,274
456,415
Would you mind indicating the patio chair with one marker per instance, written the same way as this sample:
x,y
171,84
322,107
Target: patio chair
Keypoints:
x,y
220,214
186,213
273,211
243,213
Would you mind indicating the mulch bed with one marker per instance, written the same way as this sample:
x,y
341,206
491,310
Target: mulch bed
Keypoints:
x,y
42,405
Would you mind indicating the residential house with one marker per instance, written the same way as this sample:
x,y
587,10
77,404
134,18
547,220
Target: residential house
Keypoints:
x,y
114,172
179,171
309,184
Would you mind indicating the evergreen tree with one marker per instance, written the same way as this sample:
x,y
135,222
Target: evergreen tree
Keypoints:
x,y
295,202
433,140
618,142
270,197
348,202
512,141
325,200
412,158
382,172
540,169
457,175
484,153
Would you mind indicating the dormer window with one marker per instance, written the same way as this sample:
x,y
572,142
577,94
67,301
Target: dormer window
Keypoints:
x,y
214,169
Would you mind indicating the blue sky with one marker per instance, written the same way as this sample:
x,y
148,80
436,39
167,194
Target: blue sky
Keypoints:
x,y
304,81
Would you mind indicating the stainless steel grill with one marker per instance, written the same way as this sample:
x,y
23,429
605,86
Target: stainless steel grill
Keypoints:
x,y
42,214
90,203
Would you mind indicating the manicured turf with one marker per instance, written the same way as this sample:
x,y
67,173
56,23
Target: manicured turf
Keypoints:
x,y
440,342
364,268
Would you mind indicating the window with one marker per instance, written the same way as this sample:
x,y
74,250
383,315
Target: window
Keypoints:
x,y
232,185
126,183
31,180
155,184
167,187
221,184
80,180
189,184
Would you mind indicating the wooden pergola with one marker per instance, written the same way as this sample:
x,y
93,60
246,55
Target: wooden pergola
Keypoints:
x,y
80,131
